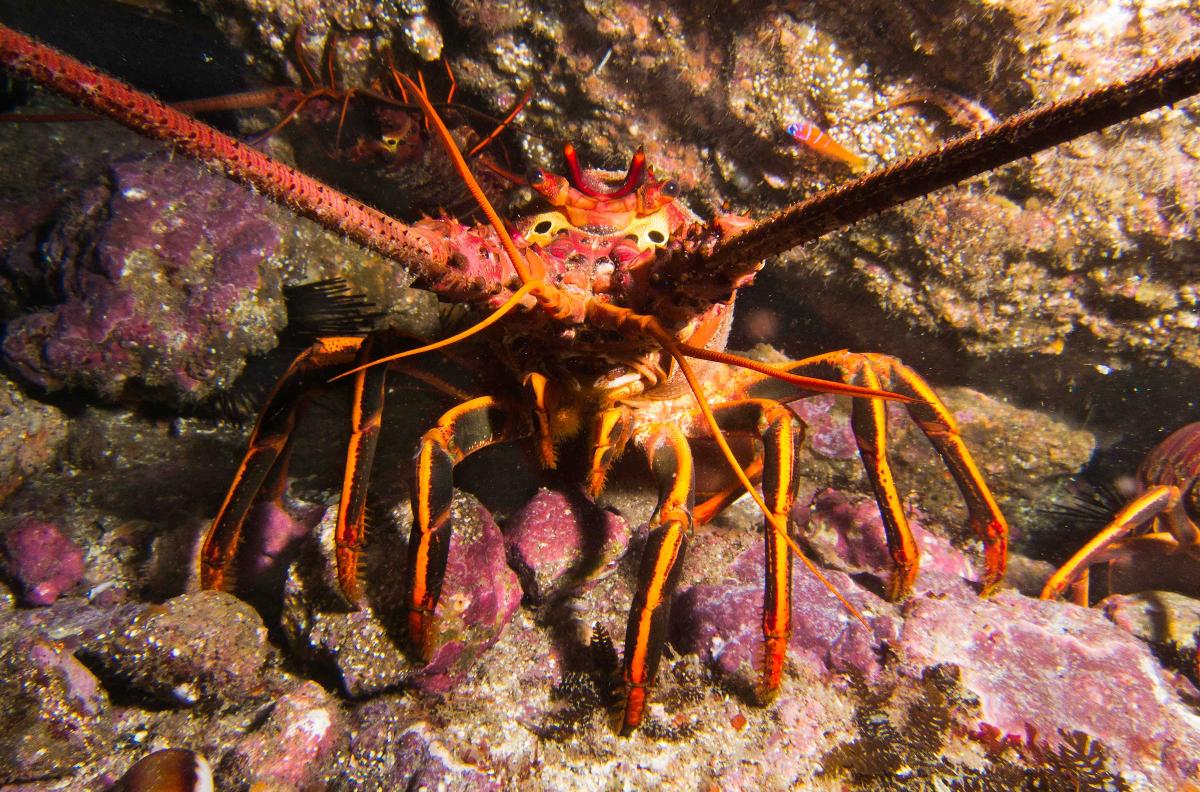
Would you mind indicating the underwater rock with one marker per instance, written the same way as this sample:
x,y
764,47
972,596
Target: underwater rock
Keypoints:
x,y
1155,616
1037,666
44,561
163,292
287,751
826,430
392,746
479,596
52,712
32,435
272,543
848,534
723,622
206,646
558,542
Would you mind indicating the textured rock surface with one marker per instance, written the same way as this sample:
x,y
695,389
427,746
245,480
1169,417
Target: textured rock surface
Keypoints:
x,y
1100,232
31,436
287,751
41,560
52,712
206,646
558,542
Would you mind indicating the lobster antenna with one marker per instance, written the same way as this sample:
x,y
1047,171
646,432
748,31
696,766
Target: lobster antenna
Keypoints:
x,y
808,383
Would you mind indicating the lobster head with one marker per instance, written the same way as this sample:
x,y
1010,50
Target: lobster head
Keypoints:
x,y
603,228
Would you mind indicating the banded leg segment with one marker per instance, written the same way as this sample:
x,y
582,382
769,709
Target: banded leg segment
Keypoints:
x,y
869,421
462,430
266,457
670,458
781,434
1155,502
610,433
366,417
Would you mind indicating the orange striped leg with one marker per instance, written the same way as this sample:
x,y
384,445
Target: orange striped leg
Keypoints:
x,y
610,433
1145,508
781,433
366,415
266,457
869,421
671,460
460,431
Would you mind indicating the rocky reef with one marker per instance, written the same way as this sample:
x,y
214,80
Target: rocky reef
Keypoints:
x,y
137,291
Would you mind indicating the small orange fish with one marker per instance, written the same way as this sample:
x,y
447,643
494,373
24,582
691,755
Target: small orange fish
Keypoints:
x,y
815,138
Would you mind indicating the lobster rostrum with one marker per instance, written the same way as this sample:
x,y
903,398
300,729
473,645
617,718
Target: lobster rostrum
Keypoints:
x,y
1161,518
600,344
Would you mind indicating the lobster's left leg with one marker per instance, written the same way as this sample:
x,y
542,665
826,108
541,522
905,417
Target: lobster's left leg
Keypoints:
x,y
1147,507
780,432
869,421
670,458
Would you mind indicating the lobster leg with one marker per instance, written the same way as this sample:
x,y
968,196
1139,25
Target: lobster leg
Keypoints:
x,y
1148,506
869,421
460,431
267,453
670,458
610,433
781,433
366,417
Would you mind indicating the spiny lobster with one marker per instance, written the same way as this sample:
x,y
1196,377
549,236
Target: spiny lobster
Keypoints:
x,y
616,287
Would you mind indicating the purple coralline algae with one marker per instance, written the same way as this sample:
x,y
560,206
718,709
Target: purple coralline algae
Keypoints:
x,y
1035,667
41,559
162,290
826,430
723,622
558,542
855,530
287,751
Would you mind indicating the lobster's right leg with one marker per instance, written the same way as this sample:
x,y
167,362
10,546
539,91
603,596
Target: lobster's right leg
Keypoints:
x,y
462,430
265,463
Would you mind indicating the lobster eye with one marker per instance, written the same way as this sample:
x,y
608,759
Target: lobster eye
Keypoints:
x,y
535,177
670,188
